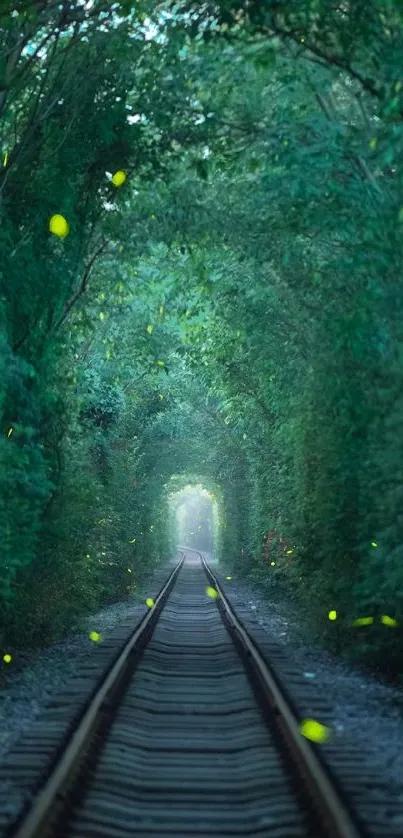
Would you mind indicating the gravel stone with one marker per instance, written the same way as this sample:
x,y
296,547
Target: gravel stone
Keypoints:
x,y
367,711
31,681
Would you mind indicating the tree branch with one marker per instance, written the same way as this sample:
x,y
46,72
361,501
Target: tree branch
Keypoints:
x,y
82,287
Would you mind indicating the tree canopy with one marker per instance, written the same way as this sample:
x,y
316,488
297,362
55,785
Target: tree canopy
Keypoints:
x,y
220,302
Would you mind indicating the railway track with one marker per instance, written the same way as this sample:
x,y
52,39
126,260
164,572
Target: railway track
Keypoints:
x,y
188,734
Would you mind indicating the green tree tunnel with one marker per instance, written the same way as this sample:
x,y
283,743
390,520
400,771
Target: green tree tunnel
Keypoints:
x,y
226,311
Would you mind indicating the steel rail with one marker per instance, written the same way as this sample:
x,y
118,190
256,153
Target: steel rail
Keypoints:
x,y
331,808
42,809
328,803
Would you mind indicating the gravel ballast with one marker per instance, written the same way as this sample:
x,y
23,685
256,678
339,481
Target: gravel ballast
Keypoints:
x,y
26,690
364,709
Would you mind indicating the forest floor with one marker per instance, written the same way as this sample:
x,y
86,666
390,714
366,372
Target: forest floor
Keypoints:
x,y
365,709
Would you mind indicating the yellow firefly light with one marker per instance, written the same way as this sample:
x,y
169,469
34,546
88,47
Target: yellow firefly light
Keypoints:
x,y
314,730
363,621
332,615
95,636
272,564
229,578
211,592
150,330
59,226
388,621
150,602
7,658
10,432
119,178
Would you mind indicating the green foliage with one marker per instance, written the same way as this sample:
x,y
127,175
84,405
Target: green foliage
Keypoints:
x,y
230,315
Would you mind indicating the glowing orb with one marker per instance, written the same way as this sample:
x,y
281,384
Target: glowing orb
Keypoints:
x,y
388,621
363,621
314,730
58,226
119,178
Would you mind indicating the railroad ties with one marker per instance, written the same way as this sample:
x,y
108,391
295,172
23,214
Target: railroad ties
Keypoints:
x,y
188,752
188,734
